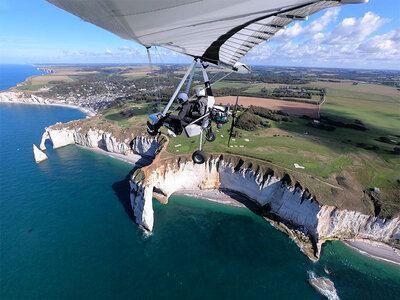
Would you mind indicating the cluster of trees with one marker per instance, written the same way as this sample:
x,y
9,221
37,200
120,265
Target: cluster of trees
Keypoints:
x,y
276,116
250,122
387,140
321,126
251,119
284,92
357,123
326,123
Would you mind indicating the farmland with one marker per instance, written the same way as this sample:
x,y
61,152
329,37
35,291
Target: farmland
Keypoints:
x,y
344,157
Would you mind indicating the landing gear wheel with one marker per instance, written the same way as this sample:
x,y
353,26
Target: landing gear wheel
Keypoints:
x,y
199,157
210,136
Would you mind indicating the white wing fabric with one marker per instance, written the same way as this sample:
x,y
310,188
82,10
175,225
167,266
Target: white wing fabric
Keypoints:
x,y
217,31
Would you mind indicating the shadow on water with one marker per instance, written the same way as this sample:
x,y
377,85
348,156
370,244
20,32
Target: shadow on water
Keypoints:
x,y
122,188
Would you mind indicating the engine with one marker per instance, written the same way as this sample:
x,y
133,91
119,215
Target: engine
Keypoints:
x,y
220,115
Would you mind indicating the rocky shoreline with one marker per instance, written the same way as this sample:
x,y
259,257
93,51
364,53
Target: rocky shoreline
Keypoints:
x,y
375,250
372,249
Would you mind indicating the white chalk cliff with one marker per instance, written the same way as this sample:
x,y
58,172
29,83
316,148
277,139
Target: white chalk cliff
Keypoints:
x,y
98,138
20,97
286,205
292,205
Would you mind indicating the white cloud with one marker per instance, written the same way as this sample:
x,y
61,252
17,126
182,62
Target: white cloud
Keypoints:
x,y
297,29
351,30
288,33
350,43
386,45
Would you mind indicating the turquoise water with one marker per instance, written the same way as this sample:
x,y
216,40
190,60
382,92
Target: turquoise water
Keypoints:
x,y
66,233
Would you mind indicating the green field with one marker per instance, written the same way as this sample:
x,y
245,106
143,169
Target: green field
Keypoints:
x,y
134,76
324,154
30,87
229,84
340,166
348,93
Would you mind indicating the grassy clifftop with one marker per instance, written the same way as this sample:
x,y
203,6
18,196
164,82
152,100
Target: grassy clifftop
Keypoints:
x,y
354,160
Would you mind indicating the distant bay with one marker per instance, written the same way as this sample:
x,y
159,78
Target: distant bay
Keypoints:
x,y
11,74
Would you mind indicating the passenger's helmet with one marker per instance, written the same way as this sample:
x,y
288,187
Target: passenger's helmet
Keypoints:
x,y
182,98
200,92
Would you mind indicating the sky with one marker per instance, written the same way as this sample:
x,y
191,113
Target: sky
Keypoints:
x,y
365,36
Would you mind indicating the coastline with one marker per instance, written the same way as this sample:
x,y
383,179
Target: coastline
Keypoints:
x,y
88,112
133,159
374,250
377,251
223,197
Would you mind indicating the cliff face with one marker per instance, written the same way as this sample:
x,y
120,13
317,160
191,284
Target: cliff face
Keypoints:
x,y
283,201
292,205
20,97
98,138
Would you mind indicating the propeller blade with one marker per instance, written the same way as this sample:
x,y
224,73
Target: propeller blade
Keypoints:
x,y
233,120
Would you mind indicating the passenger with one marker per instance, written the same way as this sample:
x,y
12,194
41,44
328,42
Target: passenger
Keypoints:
x,y
200,106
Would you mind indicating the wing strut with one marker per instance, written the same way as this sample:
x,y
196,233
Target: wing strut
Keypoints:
x,y
189,70
190,81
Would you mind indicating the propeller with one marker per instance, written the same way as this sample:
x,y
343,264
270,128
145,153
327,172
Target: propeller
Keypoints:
x,y
233,119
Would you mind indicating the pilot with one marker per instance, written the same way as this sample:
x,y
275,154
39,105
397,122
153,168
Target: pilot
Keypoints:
x,y
175,121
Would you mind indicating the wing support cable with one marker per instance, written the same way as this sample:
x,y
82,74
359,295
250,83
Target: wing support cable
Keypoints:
x,y
156,89
223,77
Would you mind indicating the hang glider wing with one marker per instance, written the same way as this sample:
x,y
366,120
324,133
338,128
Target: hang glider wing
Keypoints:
x,y
217,31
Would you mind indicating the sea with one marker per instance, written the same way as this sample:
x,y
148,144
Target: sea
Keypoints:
x,y
66,232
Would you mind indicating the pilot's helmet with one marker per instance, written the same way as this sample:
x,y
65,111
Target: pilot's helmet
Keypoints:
x,y
200,92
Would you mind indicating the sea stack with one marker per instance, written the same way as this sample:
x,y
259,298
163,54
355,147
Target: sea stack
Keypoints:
x,y
324,286
38,154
